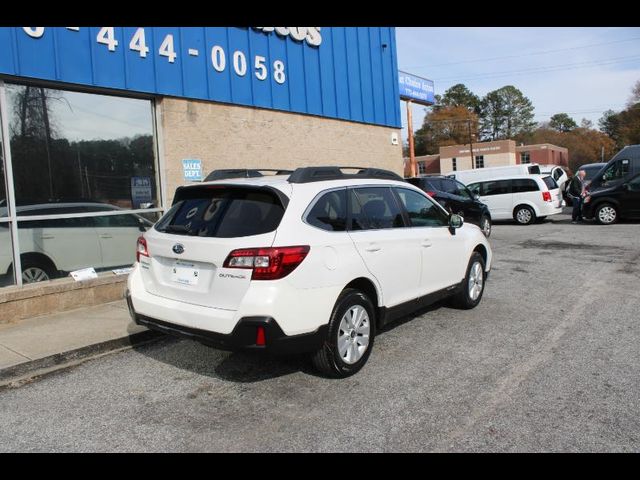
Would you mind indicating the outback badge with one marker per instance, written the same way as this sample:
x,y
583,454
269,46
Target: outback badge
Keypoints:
x,y
178,248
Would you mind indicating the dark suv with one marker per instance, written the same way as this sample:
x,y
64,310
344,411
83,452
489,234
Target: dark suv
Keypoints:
x,y
456,198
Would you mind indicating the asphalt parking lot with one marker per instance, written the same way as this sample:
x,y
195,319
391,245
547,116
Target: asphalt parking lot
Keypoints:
x,y
548,361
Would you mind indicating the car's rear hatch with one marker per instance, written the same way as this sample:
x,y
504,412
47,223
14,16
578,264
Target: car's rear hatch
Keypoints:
x,y
188,246
554,190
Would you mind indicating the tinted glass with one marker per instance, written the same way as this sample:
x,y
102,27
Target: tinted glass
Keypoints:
x,y
422,211
475,188
634,184
374,208
449,186
433,184
616,171
557,173
222,212
520,185
590,172
496,187
70,146
462,190
550,183
330,211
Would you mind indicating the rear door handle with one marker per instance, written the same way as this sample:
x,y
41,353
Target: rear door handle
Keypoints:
x,y
48,237
105,235
372,248
427,243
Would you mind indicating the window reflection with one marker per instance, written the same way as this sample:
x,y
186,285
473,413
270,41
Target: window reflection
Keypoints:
x,y
51,248
72,147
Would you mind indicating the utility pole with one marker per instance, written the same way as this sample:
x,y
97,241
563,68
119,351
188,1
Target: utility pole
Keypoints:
x,y
471,144
412,156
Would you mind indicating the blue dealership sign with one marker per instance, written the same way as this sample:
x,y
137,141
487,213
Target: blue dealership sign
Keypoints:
x,y
347,73
415,88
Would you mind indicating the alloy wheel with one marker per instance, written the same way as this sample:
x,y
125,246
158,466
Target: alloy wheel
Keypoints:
x,y
476,281
353,336
33,275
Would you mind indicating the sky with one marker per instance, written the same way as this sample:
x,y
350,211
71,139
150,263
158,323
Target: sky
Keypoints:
x,y
578,71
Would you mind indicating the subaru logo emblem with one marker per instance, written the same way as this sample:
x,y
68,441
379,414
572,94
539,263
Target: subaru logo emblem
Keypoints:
x,y
178,248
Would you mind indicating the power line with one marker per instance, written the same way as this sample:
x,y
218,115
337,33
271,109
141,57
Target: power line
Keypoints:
x,y
544,52
545,69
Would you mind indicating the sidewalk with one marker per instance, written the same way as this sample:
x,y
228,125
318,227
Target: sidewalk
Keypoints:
x,y
49,342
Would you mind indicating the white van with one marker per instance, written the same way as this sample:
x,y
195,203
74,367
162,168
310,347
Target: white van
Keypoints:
x,y
558,173
523,198
478,174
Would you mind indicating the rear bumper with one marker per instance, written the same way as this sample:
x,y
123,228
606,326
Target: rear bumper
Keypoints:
x,y
243,336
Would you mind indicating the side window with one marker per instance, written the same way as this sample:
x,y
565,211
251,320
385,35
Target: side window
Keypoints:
x,y
521,185
557,173
616,171
474,188
117,221
634,184
449,186
422,211
330,212
462,190
496,187
374,208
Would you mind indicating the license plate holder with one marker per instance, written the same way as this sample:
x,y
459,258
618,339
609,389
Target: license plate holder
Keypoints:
x,y
185,273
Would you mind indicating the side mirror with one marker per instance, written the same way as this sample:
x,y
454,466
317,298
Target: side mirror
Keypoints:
x,y
455,221
625,186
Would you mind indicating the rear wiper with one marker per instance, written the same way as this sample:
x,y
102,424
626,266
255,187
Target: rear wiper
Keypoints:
x,y
175,229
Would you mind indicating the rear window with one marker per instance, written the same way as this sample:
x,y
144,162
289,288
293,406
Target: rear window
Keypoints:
x,y
222,212
550,183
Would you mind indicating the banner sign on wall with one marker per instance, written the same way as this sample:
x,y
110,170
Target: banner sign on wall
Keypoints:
x,y
347,73
418,89
192,168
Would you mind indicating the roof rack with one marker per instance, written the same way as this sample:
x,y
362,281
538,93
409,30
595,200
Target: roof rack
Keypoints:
x,y
318,174
223,174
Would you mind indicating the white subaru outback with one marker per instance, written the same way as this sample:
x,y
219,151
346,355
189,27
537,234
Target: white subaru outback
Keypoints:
x,y
311,261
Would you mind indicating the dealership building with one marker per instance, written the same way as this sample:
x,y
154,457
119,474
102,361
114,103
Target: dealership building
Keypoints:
x,y
101,124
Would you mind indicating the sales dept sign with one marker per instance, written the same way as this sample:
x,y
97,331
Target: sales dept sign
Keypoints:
x,y
415,88
192,169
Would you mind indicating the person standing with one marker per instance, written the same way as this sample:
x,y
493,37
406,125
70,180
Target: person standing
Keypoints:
x,y
577,192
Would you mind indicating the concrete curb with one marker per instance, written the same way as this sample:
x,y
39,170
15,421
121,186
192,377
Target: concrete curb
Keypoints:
x,y
22,372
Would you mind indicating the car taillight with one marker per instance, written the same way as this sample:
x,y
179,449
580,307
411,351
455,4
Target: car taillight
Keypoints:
x,y
267,263
431,194
141,248
546,196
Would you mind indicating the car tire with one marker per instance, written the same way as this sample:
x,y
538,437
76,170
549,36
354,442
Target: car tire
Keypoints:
x,y
485,225
34,271
606,214
473,284
524,215
342,354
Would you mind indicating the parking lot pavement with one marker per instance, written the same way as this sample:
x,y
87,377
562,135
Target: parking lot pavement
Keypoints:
x,y
548,361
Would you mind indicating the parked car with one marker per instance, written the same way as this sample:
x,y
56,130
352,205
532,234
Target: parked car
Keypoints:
x,y
608,205
491,173
524,198
315,261
455,197
52,248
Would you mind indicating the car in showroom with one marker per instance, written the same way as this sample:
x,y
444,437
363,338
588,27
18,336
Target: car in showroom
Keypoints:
x,y
455,197
314,262
53,247
523,198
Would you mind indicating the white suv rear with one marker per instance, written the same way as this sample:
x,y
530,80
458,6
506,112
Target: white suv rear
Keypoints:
x,y
315,261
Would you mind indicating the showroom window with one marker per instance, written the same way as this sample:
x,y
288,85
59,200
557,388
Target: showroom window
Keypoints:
x,y
85,179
